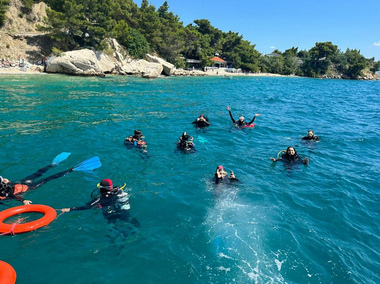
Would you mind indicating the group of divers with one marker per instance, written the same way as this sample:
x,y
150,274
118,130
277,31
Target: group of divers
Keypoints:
x,y
114,200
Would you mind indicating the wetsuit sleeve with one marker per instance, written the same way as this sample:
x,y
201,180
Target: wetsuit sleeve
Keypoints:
x,y
16,197
253,119
87,205
233,120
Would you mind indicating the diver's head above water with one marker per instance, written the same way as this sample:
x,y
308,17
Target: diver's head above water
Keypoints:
x,y
4,180
290,151
137,133
185,136
106,187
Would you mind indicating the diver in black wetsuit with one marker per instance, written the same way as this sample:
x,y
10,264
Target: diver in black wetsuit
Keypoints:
x,y
136,139
232,177
201,122
185,142
241,122
310,136
13,190
114,203
290,156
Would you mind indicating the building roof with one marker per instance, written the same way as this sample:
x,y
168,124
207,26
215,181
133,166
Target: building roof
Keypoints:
x,y
218,59
193,61
272,55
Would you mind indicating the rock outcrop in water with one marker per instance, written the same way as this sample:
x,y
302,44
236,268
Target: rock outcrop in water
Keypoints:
x,y
81,62
167,68
97,63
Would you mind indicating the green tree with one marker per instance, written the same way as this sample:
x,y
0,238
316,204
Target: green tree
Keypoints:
x,y
249,56
172,33
56,5
4,4
27,6
215,35
229,48
121,32
192,47
276,62
197,45
137,45
149,25
64,27
240,52
125,10
319,59
264,64
291,62
374,66
355,63
80,23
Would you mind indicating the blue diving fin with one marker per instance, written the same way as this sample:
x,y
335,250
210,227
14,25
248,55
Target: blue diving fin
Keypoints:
x,y
88,165
61,157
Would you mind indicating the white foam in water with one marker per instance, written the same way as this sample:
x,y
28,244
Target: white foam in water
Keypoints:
x,y
221,268
279,264
253,276
225,256
233,228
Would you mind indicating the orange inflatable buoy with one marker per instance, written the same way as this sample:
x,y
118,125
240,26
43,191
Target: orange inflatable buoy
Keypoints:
x,y
49,215
7,273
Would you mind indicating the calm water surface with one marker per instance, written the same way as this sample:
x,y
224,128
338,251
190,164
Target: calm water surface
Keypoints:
x,y
304,224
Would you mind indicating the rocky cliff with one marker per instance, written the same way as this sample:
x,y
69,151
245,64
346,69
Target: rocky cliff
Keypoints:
x,y
20,37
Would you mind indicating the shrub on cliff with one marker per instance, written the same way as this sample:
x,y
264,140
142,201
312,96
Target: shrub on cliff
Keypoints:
x,y
4,4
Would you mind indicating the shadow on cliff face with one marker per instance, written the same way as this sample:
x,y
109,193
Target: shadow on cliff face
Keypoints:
x,y
44,46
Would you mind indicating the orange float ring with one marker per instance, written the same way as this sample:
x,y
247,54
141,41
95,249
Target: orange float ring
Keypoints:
x,y
49,215
7,273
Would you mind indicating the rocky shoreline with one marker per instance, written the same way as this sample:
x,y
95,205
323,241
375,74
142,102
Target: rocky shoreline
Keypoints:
x,y
87,62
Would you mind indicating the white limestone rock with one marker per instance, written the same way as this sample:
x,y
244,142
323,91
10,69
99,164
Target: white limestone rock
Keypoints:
x,y
77,62
168,68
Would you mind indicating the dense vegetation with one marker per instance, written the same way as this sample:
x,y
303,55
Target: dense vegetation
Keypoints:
x,y
75,24
3,9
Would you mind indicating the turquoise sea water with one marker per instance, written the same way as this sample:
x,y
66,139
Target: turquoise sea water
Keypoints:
x,y
305,224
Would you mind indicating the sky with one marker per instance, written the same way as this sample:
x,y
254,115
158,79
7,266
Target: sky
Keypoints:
x,y
283,24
